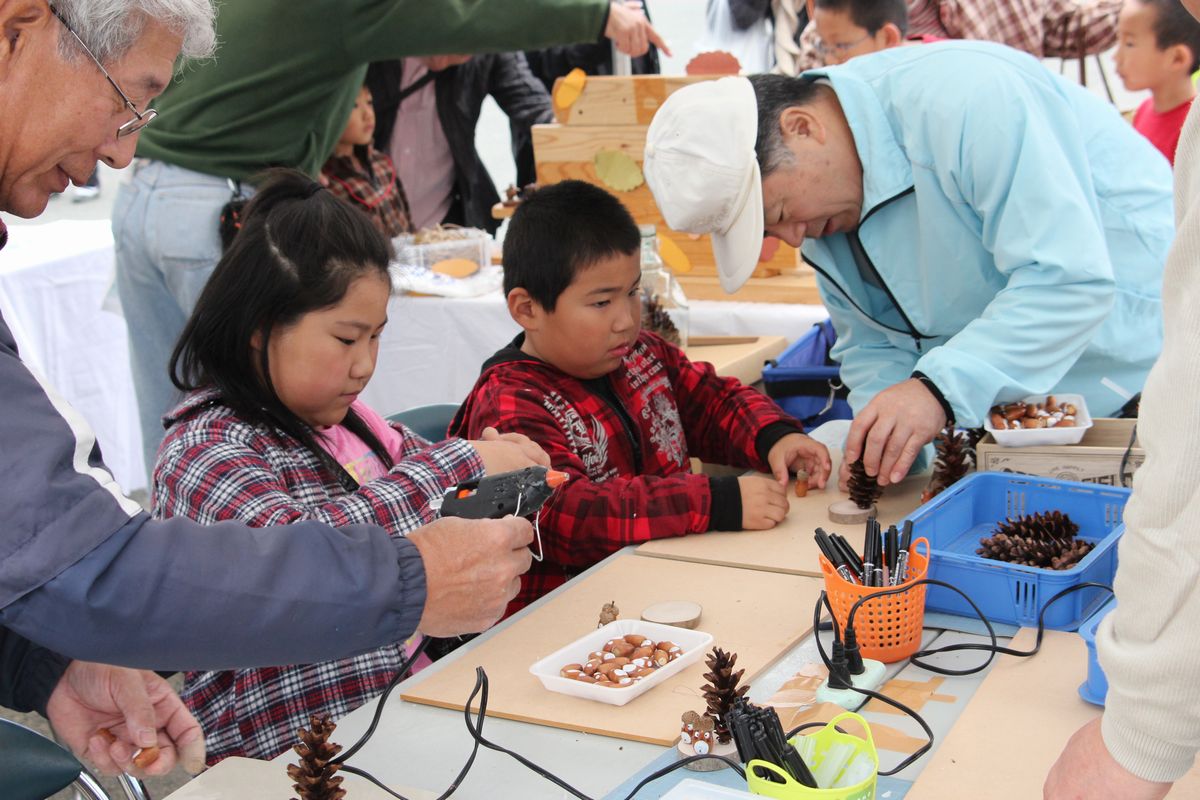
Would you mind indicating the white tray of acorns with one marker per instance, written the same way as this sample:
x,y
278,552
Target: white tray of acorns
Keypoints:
x,y
621,660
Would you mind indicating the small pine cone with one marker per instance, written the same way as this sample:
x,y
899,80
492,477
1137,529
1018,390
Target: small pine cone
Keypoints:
x,y
722,689
863,489
313,775
656,320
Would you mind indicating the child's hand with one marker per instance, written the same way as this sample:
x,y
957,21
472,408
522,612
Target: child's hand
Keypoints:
x,y
795,452
764,502
504,452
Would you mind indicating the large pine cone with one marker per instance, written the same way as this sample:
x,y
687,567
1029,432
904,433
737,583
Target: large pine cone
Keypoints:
x,y
1046,540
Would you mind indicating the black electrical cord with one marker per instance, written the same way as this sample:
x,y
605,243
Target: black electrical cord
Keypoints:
x,y
400,674
1125,478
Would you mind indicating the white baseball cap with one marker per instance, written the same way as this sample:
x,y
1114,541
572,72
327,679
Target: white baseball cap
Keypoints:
x,y
701,166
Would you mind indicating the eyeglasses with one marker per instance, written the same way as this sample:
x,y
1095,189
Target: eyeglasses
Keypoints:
x,y
140,118
825,48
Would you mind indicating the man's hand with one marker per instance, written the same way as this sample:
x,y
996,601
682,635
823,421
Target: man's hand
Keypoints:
x,y
889,433
630,31
795,452
473,567
764,502
1086,770
504,452
138,707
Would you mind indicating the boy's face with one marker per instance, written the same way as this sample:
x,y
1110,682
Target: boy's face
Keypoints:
x,y
595,321
361,126
840,39
1140,62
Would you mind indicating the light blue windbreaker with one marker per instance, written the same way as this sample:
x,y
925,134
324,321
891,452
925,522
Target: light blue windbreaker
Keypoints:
x,y
1017,224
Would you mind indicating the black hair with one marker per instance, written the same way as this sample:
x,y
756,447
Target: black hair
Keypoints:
x,y
1173,25
298,250
558,231
775,94
871,14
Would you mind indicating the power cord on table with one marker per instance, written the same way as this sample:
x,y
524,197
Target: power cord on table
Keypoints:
x,y
840,666
475,728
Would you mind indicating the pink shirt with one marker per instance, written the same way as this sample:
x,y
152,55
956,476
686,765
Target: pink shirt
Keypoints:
x,y
424,162
364,465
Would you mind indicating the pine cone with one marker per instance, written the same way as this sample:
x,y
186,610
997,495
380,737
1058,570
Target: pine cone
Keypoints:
x,y
314,775
864,490
656,320
974,437
952,463
1046,540
722,689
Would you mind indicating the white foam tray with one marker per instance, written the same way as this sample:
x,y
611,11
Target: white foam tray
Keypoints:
x,y
692,643
1028,437
692,789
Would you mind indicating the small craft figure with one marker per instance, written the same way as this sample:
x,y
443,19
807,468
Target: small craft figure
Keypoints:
x,y
609,613
702,742
687,733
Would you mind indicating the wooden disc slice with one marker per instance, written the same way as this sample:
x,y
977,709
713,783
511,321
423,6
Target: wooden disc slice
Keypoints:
x,y
456,267
680,613
847,512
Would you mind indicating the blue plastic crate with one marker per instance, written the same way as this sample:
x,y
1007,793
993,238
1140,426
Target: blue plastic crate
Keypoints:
x,y
959,517
804,382
1095,688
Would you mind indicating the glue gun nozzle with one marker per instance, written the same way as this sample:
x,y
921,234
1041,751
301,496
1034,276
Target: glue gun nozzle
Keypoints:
x,y
554,478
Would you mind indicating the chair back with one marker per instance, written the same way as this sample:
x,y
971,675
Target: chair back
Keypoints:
x,y
429,421
34,767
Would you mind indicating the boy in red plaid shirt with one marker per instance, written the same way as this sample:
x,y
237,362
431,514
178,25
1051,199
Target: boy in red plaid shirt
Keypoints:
x,y
618,408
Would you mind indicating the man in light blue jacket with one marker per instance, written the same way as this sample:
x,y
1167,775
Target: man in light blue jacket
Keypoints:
x,y
981,228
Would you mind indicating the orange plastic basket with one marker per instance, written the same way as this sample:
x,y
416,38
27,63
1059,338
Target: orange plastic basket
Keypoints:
x,y
887,629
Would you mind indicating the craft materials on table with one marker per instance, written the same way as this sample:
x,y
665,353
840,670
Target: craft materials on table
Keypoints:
x,y
757,615
789,546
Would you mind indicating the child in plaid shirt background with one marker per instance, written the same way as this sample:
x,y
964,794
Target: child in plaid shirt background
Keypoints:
x,y
279,345
620,410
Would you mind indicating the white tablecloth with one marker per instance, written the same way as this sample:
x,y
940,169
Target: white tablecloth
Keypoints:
x,y
433,347
53,281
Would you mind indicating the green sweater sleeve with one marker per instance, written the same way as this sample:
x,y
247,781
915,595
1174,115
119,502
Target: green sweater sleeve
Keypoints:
x,y
280,89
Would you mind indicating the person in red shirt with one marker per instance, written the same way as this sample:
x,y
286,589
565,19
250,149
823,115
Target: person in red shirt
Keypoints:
x,y
618,408
1158,48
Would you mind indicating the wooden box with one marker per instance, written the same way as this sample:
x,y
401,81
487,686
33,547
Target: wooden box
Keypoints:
x,y
1096,459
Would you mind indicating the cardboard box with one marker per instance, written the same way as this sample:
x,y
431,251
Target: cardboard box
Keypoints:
x,y
1096,459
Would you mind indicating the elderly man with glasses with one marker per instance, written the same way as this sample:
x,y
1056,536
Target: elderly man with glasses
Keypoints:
x,y
83,570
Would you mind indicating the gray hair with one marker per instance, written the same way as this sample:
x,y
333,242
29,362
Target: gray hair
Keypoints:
x,y
111,27
775,94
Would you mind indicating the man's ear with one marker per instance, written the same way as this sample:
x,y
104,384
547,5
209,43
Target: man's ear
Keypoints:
x,y
17,17
1182,58
525,311
802,122
889,36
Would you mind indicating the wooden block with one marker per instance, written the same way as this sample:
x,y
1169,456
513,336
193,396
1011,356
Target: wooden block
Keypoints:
x,y
623,100
1015,726
789,547
756,615
795,287
565,152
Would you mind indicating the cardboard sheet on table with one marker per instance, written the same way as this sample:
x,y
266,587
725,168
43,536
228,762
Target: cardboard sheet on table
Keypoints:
x,y
758,616
1015,726
790,547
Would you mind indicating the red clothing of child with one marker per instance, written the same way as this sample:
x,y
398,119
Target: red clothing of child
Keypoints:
x,y
625,439
1161,129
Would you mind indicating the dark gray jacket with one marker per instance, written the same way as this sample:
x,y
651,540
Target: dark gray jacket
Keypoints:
x,y
85,572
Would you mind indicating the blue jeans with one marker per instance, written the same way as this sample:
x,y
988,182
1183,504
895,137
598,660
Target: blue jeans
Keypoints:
x,y
165,227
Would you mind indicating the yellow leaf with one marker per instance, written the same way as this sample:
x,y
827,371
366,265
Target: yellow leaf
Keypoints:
x,y
567,91
618,171
671,254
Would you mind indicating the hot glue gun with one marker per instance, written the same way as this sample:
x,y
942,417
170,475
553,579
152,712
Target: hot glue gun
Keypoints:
x,y
521,493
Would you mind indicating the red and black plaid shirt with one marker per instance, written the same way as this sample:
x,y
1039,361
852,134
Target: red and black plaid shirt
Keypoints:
x,y
630,479
368,181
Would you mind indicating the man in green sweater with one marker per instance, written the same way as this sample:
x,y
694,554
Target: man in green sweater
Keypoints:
x,y
278,94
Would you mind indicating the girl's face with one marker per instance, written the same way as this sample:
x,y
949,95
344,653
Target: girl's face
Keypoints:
x,y
320,363
361,125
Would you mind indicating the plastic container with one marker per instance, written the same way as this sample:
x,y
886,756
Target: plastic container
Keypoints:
x,y
888,629
664,304
1028,437
818,746
959,517
693,644
471,244
804,381
1095,688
